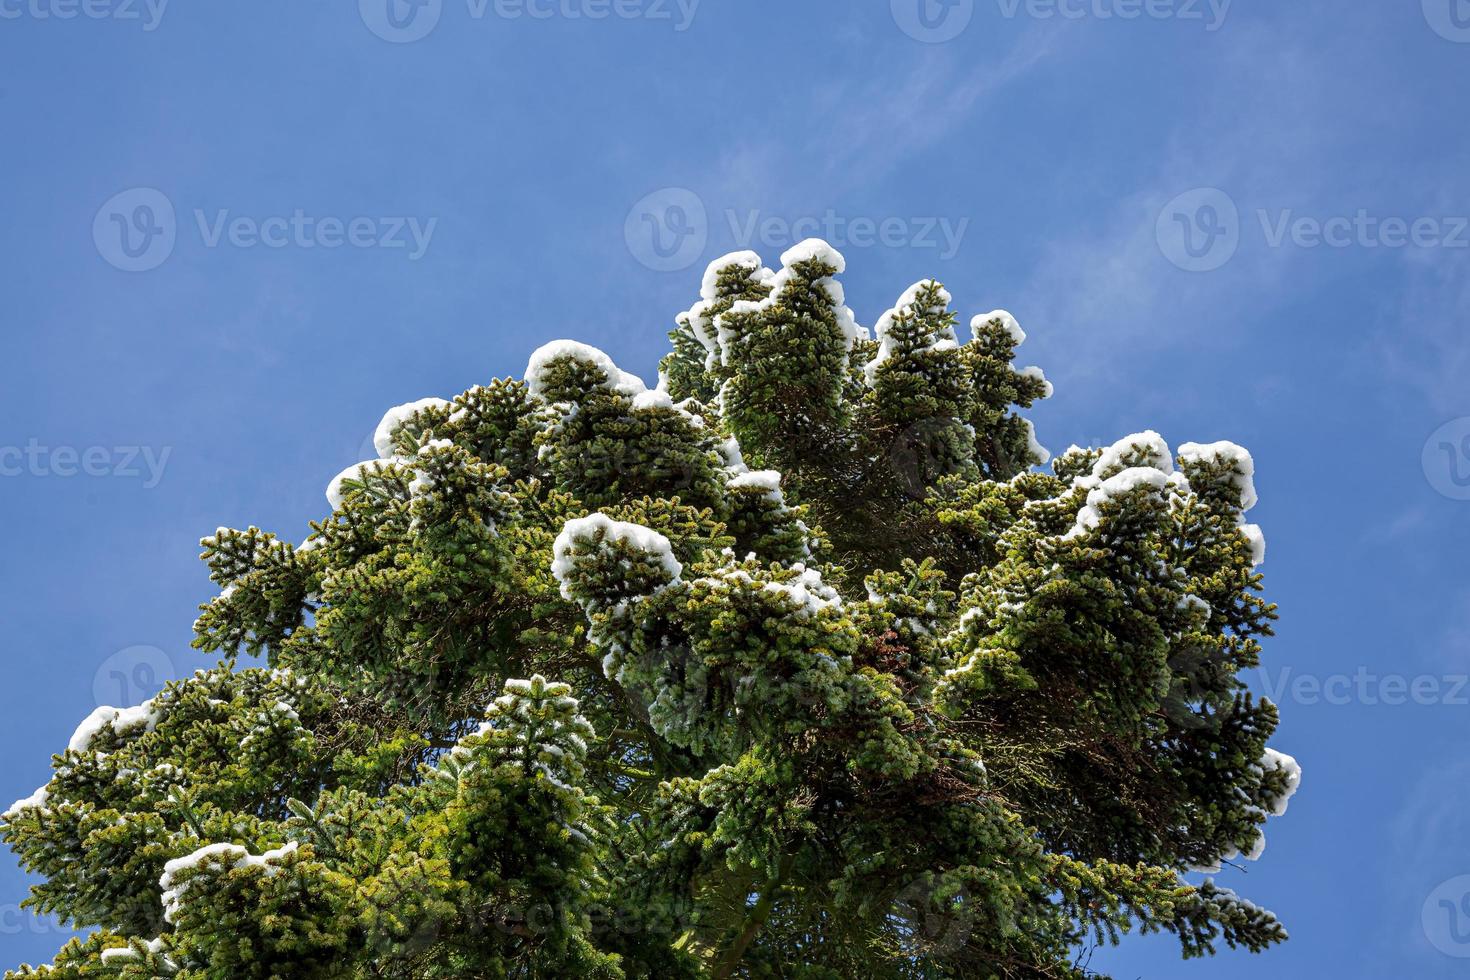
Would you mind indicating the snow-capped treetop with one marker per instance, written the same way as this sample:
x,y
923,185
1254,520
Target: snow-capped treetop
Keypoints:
x,y
779,682
36,801
1226,455
336,493
616,379
1146,448
654,398
234,856
906,310
780,282
767,481
814,249
120,720
744,259
1115,486
734,460
598,531
1007,323
1037,374
742,273
1040,453
1273,761
396,416
1256,538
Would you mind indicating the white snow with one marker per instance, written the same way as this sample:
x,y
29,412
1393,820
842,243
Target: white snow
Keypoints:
x,y
814,248
1242,469
846,322
617,379
646,400
423,480
1035,373
1257,541
724,336
118,954
1112,488
357,471
1121,454
120,720
173,893
1007,323
766,481
1042,454
731,456
905,308
1192,602
810,594
91,725
634,536
36,801
745,259
807,593
396,416
1227,454
697,317
1272,761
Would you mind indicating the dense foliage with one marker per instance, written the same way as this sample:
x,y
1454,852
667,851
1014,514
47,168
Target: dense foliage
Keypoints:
x,y
825,679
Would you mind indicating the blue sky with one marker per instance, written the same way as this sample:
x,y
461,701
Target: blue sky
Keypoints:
x,y
1235,221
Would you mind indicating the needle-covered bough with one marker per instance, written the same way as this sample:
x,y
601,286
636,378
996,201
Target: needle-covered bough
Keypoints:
x,y
794,665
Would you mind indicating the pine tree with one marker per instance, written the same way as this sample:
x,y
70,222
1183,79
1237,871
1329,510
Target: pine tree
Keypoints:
x,y
844,685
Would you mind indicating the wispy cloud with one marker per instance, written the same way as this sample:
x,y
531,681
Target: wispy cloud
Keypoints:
x,y
1424,342
881,124
874,124
1109,283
